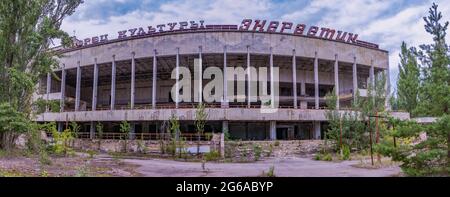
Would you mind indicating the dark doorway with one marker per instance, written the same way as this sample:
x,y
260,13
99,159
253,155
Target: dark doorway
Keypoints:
x,y
282,133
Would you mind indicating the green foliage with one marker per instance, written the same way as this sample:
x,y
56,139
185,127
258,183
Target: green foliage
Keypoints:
x,y
27,29
435,83
226,135
75,128
257,150
12,124
431,155
91,153
408,81
125,129
276,143
200,121
174,129
323,157
345,152
327,157
62,141
270,173
213,155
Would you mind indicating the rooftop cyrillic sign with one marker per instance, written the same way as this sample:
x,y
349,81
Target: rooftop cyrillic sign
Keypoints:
x,y
298,29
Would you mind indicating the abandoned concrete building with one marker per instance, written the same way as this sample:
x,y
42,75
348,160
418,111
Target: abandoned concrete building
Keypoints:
x,y
130,79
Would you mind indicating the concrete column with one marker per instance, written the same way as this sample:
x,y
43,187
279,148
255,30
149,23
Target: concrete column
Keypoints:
x,y
177,85
317,130
222,145
95,86
78,88
249,79
388,89
49,85
355,79
92,130
273,130
133,77
336,79
272,85
316,81
155,72
372,74
113,82
372,80
63,89
200,75
225,127
294,78
225,79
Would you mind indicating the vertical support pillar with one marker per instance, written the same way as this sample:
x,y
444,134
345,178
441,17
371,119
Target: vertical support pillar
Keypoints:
x,y
63,89
336,79
316,81
177,84
155,73
355,79
272,85
273,130
294,78
49,86
249,79
133,76
78,87
95,86
317,130
92,131
372,79
388,89
200,75
372,74
225,79
113,83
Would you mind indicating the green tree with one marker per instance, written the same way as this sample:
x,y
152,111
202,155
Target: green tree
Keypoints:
x,y
27,30
125,129
200,121
435,91
12,123
408,81
174,128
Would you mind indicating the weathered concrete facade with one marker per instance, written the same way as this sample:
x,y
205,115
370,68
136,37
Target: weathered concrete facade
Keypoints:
x,y
130,80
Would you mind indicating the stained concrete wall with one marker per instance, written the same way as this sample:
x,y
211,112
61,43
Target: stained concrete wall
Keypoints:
x,y
231,114
236,42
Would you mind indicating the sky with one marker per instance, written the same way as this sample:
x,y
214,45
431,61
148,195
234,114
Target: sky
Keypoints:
x,y
384,22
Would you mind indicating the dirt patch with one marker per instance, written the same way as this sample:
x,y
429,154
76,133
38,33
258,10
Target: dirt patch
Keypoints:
x,y
77,166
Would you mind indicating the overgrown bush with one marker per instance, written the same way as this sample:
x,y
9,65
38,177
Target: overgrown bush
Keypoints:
x,y
345,152
12,124
125,129
61,142
213,155
257,151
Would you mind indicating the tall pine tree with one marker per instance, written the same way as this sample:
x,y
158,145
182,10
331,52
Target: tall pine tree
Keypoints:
x,y
435,90
408,81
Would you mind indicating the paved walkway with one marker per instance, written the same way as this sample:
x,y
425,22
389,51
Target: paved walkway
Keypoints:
x,y
284,167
